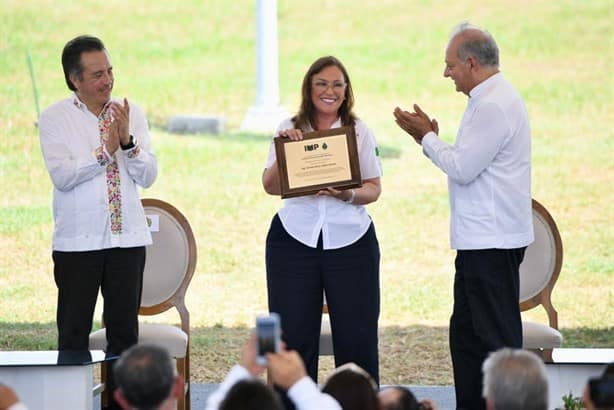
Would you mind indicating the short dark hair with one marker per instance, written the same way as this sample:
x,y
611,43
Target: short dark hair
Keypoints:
x,y
251,394
353,388
407,400
145,375
71,56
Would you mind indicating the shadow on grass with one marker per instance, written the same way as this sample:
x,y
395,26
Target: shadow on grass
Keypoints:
x,y
413,355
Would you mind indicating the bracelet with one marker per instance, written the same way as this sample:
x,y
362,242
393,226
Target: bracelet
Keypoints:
x,y
352,197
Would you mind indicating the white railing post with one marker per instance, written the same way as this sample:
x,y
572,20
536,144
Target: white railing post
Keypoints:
x,y
266,113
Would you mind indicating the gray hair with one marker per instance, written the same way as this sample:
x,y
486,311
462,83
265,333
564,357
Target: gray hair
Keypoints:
x,y
477,43
515,379
145,375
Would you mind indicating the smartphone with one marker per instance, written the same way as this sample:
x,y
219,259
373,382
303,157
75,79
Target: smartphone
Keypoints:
x,y
602,391
268,332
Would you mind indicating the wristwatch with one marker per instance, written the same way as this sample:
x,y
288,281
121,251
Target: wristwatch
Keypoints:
x,y
131,144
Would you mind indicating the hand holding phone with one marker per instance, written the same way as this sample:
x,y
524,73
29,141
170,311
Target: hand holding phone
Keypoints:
x,y
268,333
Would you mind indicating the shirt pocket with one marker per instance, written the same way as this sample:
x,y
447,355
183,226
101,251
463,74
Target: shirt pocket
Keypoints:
x,y
475,218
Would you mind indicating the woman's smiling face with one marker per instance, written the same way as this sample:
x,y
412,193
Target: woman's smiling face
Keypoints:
x,y
328,90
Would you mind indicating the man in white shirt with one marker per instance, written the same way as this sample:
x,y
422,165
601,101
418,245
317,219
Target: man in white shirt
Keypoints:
x,y
489,182
97,151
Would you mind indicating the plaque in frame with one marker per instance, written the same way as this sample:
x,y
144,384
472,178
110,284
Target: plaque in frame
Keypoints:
x,y
322,159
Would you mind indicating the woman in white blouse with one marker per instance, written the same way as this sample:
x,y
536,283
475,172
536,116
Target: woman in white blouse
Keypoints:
x,y
326,242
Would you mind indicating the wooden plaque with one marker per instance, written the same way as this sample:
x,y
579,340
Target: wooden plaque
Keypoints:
x,y
322,159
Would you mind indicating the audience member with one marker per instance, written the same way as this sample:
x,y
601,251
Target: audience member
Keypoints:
x,y
599,392
352,387
401,398
251,394
9,399
515,379
287,371
147,379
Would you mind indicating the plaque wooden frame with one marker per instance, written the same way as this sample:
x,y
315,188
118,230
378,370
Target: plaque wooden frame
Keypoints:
x,y
354,181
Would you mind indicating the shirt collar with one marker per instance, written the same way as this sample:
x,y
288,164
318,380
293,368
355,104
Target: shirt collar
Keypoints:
x,y
479,89
78,103
81,105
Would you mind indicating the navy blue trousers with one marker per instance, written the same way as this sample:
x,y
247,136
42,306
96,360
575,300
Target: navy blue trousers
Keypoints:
x,y
296,277
486,316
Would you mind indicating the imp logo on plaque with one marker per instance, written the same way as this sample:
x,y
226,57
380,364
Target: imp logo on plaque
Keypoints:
x,y
311,147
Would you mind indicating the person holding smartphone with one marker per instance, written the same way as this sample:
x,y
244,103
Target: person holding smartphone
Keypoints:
x,y
268,332
242,383
326,242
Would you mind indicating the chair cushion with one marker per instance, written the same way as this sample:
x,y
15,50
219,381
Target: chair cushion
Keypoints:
x,y
326,338
538,336
169,337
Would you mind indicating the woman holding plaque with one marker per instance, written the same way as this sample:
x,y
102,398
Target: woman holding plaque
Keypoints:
x,y
326,242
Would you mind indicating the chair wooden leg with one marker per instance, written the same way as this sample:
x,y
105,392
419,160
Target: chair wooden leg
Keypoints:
x,y
104,396
183,402
188,391
547,355
544,354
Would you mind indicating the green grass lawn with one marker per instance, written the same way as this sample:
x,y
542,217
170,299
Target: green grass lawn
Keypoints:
x,y
199,57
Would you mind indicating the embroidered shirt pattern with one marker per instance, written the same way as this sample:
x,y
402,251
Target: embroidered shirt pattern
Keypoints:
x,y
133,153
113,183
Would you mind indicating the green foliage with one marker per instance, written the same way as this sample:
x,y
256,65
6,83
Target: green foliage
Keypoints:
x,y
572,403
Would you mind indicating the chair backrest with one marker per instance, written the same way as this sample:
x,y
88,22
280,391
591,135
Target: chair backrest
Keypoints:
x,y
170,260
542,263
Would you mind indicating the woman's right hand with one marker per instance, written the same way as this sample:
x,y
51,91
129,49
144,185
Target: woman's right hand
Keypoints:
x,y
293,133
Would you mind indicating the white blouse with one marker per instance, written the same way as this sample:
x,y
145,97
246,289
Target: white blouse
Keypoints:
x,y
341,223
70,141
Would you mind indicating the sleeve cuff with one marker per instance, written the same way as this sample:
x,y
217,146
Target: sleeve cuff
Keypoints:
x,y
132,152
427,143
302,388
305,394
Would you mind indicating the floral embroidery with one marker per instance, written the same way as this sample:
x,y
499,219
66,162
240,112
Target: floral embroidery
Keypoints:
x,y
113,183
101,156
133,153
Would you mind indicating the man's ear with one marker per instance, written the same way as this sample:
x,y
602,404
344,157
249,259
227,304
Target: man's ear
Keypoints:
x,y
73,80
119,398
178,387
473,63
